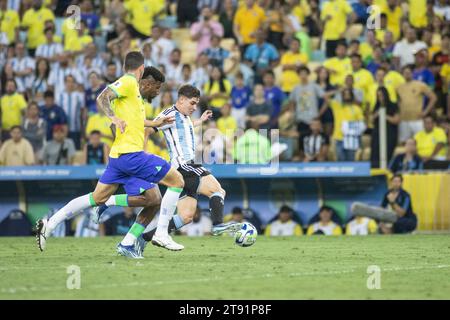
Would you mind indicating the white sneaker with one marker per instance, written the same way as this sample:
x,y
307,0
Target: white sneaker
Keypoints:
x,y
166,242
41,237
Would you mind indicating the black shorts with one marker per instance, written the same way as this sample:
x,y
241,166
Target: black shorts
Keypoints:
x,y
191,174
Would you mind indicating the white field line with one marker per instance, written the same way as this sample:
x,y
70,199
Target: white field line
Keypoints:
x,y
15,290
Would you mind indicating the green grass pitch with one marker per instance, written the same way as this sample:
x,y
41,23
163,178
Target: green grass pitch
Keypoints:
x,y
319,267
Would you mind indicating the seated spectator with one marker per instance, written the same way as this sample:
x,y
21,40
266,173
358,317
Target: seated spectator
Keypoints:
x,y
392,121
227,123
325,225
259,110
261,56
408,161
432,141
217,91
118,224
288,131
16,151
237,215
240,98
306,96
252,147
399,201
290,61
15,224
60,150
204,29
284,225
361,226
52,114
274,94
12,107
100,122
348,126
35,129
201,225
95,151
216,54
315,145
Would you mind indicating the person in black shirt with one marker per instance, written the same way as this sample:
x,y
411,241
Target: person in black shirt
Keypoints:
x,y
400,202
392,121
315,145
95,151
408,161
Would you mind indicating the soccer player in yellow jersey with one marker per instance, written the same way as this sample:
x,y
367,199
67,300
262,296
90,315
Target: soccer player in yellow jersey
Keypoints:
x,y
128,163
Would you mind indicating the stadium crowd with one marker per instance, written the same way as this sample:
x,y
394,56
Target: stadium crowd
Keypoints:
x,y
319,71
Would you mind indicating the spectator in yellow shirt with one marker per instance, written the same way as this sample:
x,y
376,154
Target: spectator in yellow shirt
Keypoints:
x,y
101,123
9,22
363,79
248,19
34,22
361,226
141,15
217,91
290,61
77,44
227,123
325,225
394,16
334,15
418,13
12,108
284,225
339,66
432,141
16,151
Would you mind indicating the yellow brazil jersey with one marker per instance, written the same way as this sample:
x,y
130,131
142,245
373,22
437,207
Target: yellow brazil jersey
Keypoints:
x,y
339,69
215,88
301,11
328,229
361,226
392,81
279,228
128,106
365,50
426,142
394,18
227,125
68,30
12,107
338,11
101,123
9,22
248,21
343,113
418,13
35,21
141,13
290,78
363,81
75,44
445,74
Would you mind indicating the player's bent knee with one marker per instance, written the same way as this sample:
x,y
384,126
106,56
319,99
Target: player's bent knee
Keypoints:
x,y
99,199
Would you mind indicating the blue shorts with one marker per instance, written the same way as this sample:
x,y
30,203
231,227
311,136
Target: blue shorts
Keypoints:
x,y
137,171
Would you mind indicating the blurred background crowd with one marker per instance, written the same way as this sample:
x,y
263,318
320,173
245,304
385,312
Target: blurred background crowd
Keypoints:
x,y
319,71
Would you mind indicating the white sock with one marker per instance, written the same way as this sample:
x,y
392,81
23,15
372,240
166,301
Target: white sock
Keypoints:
x,y
168,207
69,211
111,201
133,233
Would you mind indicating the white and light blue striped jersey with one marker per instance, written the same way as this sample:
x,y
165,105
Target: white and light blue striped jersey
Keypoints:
x,y
71,103
57,75
19,65
180,137
51,50
352,131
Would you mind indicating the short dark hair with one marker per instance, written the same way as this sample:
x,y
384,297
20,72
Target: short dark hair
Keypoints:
x,y
16,127
133,60
236,210
431,116
95,132
397,175
153,73
269,72
304,68
356,55
49,94
408,66
188,91
286,208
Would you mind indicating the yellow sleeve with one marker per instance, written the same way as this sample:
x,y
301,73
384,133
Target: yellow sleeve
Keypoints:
x,y
89,125
337,231
298,231
237,18
26,20
310,230
359,113
440,136
49,15
22,102
283,60
122,86
227,86
347,8
325,10
267,231
373,227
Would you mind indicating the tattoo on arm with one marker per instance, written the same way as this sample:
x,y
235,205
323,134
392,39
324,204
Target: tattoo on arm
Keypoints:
x,y
104,101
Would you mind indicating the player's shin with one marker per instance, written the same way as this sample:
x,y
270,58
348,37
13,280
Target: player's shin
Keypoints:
x,y
168,206
69,211
216,204
144,217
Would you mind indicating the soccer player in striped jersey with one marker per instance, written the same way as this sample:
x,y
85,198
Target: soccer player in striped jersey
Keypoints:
x,y
129,165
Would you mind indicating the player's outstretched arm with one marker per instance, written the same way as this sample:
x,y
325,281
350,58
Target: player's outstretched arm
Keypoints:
x,y
159,122
205,116
104,102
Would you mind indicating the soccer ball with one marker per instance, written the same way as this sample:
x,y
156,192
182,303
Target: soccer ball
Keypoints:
x,y
246,236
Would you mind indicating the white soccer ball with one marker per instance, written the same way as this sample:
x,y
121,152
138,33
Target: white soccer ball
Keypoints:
x,y
246,236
